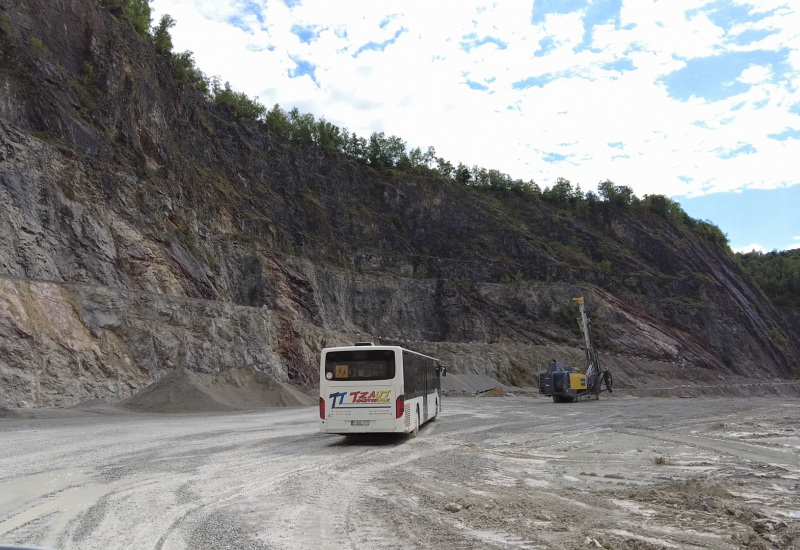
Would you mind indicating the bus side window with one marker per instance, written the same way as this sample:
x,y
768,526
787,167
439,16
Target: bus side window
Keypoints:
x,y
412,372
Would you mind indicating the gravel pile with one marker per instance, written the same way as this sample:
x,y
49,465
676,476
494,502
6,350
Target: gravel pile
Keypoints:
x,y
233,390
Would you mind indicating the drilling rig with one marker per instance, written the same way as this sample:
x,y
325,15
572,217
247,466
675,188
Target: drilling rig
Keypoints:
x,y
567,384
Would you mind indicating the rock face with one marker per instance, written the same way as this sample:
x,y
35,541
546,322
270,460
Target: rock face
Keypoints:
x,y
143,230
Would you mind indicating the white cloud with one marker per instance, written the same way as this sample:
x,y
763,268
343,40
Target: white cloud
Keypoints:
x,y
416,88
751,248
755,75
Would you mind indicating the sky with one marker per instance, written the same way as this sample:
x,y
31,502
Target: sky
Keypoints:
x,y
694,99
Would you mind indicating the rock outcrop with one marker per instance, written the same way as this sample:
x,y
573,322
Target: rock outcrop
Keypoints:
x,y
143,230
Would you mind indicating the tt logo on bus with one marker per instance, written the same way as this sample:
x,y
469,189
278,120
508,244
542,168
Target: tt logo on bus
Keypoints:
x,y
360,397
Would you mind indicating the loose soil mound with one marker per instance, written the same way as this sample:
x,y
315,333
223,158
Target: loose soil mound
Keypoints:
x,y
234,390
461,384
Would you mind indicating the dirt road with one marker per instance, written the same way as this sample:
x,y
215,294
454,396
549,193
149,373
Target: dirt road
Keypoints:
x,y
492,472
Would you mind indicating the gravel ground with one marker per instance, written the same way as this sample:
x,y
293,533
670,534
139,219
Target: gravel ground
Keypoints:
x,y
491,472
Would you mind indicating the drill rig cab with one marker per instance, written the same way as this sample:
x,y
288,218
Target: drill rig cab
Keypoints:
x,y
567,384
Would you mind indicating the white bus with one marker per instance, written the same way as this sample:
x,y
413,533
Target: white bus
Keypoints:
x,y
366,388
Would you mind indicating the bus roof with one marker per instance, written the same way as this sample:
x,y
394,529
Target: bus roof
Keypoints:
x,y
362,347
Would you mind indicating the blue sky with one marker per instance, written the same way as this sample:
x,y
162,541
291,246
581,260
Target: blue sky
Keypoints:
x,y
698,100
752,216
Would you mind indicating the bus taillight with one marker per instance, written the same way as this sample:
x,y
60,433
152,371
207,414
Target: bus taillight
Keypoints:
x,y
322,408
401,407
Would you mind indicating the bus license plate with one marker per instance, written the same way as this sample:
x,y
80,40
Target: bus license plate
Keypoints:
x,y
359,422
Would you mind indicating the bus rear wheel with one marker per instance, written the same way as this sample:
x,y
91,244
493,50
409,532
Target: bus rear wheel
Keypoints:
x,y
415,432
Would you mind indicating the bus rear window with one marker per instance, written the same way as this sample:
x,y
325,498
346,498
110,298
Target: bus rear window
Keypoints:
x,y
359,365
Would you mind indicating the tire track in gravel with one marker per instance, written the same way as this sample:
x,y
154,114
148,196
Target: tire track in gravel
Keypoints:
x,y
328,505
252,481
745,451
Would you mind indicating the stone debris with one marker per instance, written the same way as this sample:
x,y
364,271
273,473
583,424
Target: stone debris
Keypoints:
x,y
237,389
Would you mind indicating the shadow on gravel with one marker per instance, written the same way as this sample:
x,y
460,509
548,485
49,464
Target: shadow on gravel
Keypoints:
x,y
7,413
370,440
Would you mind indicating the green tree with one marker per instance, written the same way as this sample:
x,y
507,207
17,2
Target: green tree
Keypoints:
x,y
709,232
161,38
355,147
328,136
664,207
480,176
415,159
136,12
376,154
561,192
243,107
277,121
444,168
776,273
618,195
385,152
303,126
462,174
429,158
187,72
498,180
396,150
